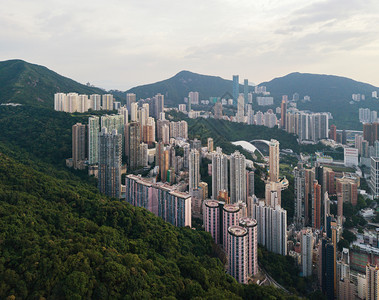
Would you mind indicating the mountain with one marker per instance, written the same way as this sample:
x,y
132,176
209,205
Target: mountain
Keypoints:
x,y
178,87
328,94
26,83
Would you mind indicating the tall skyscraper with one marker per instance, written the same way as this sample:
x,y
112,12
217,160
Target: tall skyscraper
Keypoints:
x,y
159,105
316,205
134,112
240,116
96,101
194,169
130,98
193,98
274,160
283,113
93,140
299,187
219,172
132,142
252,234
109,176
307,242
236,89
238,253
79,145
272,227
250,183
230,217
246,91
107,102
374,181
211,217
237,177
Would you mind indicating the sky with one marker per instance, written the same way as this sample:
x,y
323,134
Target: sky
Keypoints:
x,y
119,44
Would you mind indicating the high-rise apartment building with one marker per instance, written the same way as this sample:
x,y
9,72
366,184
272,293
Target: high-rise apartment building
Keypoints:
x,y
93,140
236,89
307,242
159,105
193,98
299,188
252,234
238,253
274,160
219,172
250,191
107,102
316,205
211,219
372,282
374,181
230,217
348,189
132,142
283,112
272,227
194,169
96,101
109,175
134,112
371,132
333,132
246,91
79,142
210,145
162,200
130,98
237,177
273,193
240,116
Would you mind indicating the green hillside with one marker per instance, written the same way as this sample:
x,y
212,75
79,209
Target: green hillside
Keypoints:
x,y
25,83
61,239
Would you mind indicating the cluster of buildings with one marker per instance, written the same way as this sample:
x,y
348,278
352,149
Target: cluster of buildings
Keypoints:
x,y
235,216
368,116
307,126
73,102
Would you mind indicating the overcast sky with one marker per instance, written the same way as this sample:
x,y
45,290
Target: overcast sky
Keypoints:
x,y
118,44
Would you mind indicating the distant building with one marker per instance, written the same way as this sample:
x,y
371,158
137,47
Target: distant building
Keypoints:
x,y
350,156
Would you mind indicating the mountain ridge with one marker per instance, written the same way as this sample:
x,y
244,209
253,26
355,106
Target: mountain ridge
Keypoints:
x,y
32,84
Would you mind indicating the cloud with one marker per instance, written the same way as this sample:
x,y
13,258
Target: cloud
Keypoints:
x,y
125,43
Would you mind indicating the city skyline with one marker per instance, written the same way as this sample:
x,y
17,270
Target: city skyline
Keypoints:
x,y
264,41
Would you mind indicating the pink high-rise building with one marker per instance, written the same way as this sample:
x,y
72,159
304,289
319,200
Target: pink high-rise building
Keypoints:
x,y
252,258
230,215
238,242
212,219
